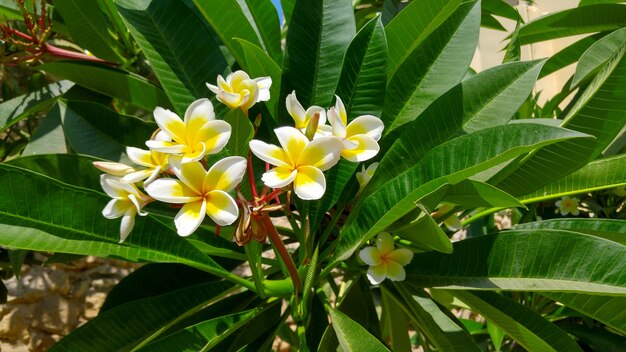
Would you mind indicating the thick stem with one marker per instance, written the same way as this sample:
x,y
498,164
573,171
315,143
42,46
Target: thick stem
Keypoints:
x,y
282,252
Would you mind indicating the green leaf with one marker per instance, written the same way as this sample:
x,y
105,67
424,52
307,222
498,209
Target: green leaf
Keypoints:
x,y
412,25
488,21
596,338
178,45
439,329
49,136
229,21
425,234
258,64
358,304
495,334
242,132
540,260
352,336
14,110
606,309
599,112
569,54
581,20
77,170
475,194
319,34
88,27
611,229
502,9
598,54
362,83
524,325
432,68
456,160
264,19
110,81
112,330
395,323
597,175
39,213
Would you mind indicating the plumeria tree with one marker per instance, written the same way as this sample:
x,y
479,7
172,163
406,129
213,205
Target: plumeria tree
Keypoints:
x,y
327,175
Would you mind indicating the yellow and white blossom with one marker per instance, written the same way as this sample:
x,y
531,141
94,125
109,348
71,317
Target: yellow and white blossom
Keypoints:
x,y
199,134
303,118
126,203
567,205
155,163
202,192
365,175
360,136
238,90
114,169
384,261
299,161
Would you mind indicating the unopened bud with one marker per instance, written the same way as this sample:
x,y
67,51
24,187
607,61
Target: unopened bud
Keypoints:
x,y
311,128
115,169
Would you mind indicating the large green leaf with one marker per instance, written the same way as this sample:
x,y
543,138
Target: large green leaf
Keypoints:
x,y
439,329
568,55
40,213
264,19
87,26
600,112
425,234
450,162
539,260
137,322
597,175
49,136
436,65
502,9
598,55
352,336
592,18
228,20
183,57
475,194
110,81
412,25
611,229
14,110
362,83
523,324
258,64
608,310
319,34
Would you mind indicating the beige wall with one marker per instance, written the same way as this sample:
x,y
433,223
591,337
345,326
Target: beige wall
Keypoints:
x,y
491,43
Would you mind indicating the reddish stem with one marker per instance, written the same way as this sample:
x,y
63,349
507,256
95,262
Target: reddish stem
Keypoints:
x,y
251,176
274,194
73,55
282,252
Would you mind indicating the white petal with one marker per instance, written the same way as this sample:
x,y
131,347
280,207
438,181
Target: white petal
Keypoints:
x,y
190,217
153,176
278,177
366,124
385,243
166,147
214,134
171,191
292,141
225,174
370,256
199,112
212,88
309,183
339,129
137,176
264,82
127,224
322,153
115,169
365,149
138,204
377,274
116,208
310,112
191,174
115,188
341,110
395,271
221,207
139,156
401,256
170,124
269,153
295,109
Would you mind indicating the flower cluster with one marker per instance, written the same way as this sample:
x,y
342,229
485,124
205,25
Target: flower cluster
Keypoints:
x,y
174,169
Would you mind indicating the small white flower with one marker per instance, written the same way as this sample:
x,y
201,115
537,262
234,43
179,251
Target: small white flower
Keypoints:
x,y
384,261
567,205
126,203
238,90
365,175
302,118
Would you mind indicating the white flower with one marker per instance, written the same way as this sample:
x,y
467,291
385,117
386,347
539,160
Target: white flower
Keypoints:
x,y
126,203
365,175
384,261
199,134
155,163
299,161
303,118
360,136
202,192
238,90
567,205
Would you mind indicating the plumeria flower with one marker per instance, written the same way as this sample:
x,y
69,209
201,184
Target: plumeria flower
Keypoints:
x,y
299,161
126,203
384,261
567,205
238,90
194,137
360,136
155,163
202,192
114,169
303,118
365,175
